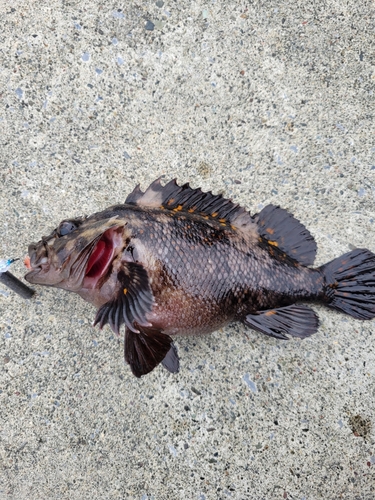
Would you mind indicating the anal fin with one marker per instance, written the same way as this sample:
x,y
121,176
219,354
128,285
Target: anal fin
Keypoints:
x,y
294,321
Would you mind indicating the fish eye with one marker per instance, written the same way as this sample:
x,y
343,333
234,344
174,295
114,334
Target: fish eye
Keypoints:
x,y
66,227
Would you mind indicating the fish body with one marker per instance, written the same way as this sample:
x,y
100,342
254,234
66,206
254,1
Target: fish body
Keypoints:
x,y
173,260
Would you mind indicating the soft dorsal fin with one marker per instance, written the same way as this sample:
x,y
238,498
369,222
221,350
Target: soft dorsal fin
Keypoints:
x,y
280,229
193,201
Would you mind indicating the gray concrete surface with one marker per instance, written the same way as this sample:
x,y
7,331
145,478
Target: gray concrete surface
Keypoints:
x,y
263,101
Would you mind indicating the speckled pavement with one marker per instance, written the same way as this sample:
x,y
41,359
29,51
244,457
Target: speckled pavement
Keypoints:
x,y
262,101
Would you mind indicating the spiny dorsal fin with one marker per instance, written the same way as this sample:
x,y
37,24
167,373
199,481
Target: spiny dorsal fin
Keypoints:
x,y
193,201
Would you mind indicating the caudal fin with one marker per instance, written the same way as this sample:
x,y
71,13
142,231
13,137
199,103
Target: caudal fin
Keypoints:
x,y
350,283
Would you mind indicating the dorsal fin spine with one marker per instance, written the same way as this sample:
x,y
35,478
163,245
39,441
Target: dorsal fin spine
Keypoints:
x,y
175,198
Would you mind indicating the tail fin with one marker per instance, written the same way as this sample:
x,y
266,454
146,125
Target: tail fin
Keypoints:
x,y
350,283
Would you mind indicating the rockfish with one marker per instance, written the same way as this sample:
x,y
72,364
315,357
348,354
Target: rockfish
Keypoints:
x,y
174,260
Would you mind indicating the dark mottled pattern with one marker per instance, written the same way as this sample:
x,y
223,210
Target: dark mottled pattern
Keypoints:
x,y
174,260
205,275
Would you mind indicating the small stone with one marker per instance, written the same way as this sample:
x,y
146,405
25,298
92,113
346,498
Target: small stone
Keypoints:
x,y
149,26
173,450
118,14
250,383
159,3
159,25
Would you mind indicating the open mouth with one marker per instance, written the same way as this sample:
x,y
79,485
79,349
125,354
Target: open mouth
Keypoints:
x,y
100,258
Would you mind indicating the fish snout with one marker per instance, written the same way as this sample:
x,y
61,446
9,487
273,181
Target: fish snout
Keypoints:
x,y
38,257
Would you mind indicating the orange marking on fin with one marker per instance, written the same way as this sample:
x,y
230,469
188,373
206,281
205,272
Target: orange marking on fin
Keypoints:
x,y
233,227
214,214
178,209
170,201
191,210
273,243
270,230
125,290
222,220
270,313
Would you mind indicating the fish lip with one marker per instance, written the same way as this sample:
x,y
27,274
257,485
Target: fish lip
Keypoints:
x,y
35,272
35,268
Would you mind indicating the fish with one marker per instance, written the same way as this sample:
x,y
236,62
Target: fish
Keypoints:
x,y
174,260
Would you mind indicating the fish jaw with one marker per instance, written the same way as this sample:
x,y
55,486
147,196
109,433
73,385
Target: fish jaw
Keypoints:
x,y
41,263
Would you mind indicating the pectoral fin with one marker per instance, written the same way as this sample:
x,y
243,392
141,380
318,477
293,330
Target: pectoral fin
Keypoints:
x,y
147,348
295,321
133,300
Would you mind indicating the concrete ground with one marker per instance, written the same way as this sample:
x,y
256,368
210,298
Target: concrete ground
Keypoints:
x,y
266,102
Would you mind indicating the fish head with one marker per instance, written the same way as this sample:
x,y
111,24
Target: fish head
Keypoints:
x,y
77,254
